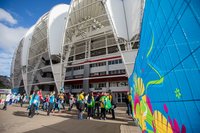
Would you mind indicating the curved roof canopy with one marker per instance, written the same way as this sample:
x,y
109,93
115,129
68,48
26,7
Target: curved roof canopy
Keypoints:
x,y
27,42
16,73
56,28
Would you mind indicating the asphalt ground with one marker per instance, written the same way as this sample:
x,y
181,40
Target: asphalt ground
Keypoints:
x,y
15,120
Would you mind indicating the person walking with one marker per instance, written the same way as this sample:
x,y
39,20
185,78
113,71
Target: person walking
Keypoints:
x,y
57,104
7,100
71,102
90,105
80,105
46,103
113,104
51,102
61,98
128,100
33,104
102,105
22,99
41,100
97,104
85,101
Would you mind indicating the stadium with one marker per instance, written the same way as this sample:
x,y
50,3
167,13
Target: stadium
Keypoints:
x,y
92,45
88,45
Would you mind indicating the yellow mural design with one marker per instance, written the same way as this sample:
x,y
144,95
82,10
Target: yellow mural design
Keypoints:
x,y
161,123
139,86
151,47
141,118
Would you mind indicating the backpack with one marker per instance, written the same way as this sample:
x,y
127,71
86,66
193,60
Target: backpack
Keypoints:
x,y
90,102
106,102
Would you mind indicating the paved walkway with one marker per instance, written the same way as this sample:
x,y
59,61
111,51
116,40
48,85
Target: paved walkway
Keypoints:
x,y
15,120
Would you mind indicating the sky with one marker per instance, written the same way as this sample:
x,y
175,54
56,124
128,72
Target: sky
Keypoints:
x,y
16,17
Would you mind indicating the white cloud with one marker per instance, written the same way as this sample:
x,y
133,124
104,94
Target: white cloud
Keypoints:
x,y
10,37
5,16
9,40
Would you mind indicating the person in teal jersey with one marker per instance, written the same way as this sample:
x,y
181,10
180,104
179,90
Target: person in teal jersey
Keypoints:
x,y
51,102
33,104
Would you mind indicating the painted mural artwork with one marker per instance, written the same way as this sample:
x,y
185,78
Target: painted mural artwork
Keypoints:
x,y
165,83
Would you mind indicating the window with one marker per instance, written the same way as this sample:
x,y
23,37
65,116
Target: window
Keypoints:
x,y
98,52
102,64
123,97
112,84
98,85
94,85
102,85
68,69
98,43
119,97
118,84
91,85
71,58
79,76
80,56
98,88
78,68
119,61
123,83
135,45
122,46
94,74
77,86
98,64
102,73
113,49
122,71
98,73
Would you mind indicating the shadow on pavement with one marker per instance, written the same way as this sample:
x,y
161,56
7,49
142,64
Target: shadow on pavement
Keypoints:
x,y
73,115
20,113
79,126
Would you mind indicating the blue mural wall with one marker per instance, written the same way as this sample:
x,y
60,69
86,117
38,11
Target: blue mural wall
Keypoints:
x,y
165,84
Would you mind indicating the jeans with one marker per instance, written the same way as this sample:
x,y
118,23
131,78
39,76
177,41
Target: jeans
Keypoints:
x,y
90,112
50,108
80,115
32,110
97,109
46,104
62,103
5,105
129,109
113,113
103,113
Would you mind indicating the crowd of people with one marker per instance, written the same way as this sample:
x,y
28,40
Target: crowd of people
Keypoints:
x,y
14,98
96,106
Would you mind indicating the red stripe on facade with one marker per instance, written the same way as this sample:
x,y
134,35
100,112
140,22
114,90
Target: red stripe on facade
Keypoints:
x,y
108,79
103,79
102,59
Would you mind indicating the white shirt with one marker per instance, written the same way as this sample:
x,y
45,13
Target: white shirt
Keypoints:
x,y
8,98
